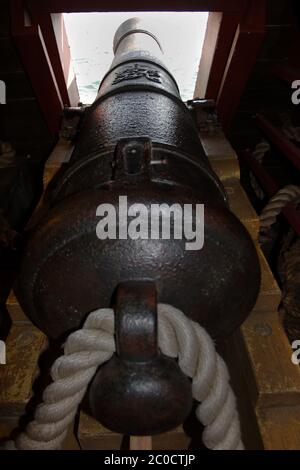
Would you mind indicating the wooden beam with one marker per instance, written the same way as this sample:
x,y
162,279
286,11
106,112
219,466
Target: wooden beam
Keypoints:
x,y
43,19
56,42
69,6
140,443
245,47
277,138
65,58
220,31
31,47
285,71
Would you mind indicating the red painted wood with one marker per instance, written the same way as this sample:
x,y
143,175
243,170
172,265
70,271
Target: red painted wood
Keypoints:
x,y
31,47
271,188
286,72
246,45
212,32
279,140
65,57
43,19
68,6
226,35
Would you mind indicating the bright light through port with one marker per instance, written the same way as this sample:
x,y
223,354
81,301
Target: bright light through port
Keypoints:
x,y
91,36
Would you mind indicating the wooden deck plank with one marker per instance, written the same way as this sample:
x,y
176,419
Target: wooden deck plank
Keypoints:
x,y
93,436
24,345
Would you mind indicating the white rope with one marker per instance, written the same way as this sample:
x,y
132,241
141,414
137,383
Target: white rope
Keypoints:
x,y
273,208
86,349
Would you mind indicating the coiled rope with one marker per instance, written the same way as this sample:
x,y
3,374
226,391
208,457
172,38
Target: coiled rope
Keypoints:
x,y
258,154
86,349
289,271
274,207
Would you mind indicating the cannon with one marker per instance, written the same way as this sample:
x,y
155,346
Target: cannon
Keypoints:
x,y
138,157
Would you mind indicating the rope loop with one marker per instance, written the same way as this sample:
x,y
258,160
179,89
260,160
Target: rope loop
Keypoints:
x,y
86,349
269,214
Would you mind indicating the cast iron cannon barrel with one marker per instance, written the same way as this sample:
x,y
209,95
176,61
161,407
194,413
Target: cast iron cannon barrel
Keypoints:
x,y
134,37
137,149
138,140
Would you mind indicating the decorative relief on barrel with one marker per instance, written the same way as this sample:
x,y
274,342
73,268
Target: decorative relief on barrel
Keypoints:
x,y
137,71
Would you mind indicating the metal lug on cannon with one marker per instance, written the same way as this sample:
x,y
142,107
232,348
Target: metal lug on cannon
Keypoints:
x,y
139,391
133,160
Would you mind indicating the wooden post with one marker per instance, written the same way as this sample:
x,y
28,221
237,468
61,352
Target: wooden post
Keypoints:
x,y
140,443
245,47
220,31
